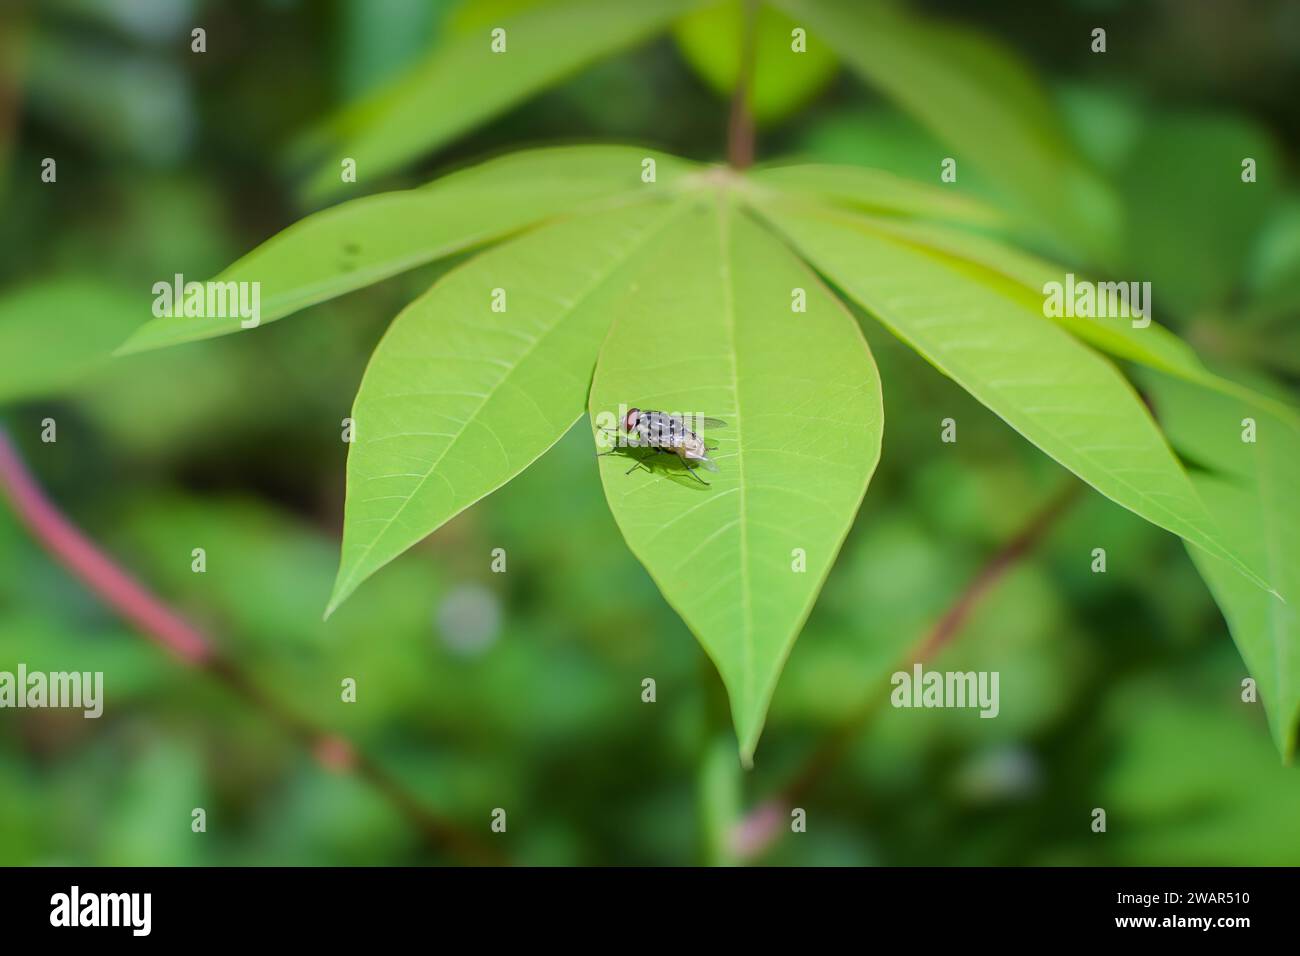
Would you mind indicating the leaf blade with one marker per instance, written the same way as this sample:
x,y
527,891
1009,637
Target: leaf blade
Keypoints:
x,y
358,243
789,478
783,80
1010,358
874,190
1153,345
982,101
462,82
509,383
1251,493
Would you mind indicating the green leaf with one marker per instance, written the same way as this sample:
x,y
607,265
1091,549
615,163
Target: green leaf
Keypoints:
x,y
1197,783
359,243
1153,345
54,332
1063,397
1250,489
706,328
982,101
880,136
458,398
1191,220
462,82
874,190
784,79
1274,273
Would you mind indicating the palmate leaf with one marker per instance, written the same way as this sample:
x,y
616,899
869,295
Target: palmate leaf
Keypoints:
x,y
462,82
706,328
458,398
1063,397
692,278
359,243
1250,489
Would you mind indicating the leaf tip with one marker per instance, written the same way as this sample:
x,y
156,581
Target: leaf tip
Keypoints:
x,y
336,599
747,744
344,584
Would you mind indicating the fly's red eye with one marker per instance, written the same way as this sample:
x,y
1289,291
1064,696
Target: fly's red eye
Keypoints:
x,y
629,422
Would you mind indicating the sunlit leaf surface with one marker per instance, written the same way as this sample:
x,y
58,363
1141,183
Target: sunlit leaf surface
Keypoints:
x,y
1058,393
459,398
707,328
361,242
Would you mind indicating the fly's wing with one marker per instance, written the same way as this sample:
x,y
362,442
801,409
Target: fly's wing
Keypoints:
x,y
707,464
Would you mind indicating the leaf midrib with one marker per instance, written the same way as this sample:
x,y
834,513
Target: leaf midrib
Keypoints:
x,y
729,299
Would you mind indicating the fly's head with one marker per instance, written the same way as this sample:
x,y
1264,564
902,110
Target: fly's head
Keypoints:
x,y
630,420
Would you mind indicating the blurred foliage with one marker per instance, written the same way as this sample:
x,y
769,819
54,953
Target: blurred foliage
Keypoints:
x,y
782,83
522,690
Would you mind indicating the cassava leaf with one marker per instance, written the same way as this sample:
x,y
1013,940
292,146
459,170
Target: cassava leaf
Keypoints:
x,y
706,327
1250,489
1153,345
458,398
857,187
979,99
462,82
360,242
1059,394
783,79
54,331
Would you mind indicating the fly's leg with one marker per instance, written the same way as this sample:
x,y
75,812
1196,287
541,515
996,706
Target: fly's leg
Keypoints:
x,y
693,474
640,463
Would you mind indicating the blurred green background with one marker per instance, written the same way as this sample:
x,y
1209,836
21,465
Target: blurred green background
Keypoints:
x,y
523,690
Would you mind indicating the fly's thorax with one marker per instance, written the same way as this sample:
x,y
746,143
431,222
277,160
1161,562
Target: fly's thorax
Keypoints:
x,y
661,430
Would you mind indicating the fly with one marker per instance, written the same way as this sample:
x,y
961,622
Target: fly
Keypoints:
x,y
667,434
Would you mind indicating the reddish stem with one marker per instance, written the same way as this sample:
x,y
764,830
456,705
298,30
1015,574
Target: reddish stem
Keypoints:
x,y
91,566
764,824
165,627
740,125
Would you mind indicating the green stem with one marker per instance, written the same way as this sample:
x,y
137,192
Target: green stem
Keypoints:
x,y
719,782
